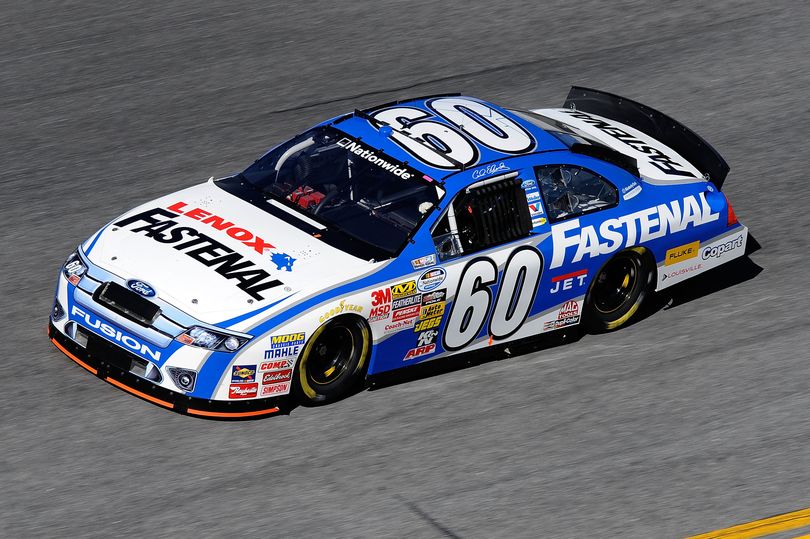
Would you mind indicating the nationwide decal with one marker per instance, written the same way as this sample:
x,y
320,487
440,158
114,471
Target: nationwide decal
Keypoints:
x,y
243,374
567,281
628,230
162,227
431,311
274,389
283,261
282,346
243,391
370,155
419,351
340,309
427,337
681,253
275,365
406,313
407,301
101,328
431,279
568,316
657,158
403,289
423,262
489,169
719,250
430,323
275,377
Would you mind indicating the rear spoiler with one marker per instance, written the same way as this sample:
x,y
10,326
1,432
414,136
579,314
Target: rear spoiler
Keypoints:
x,y
654,124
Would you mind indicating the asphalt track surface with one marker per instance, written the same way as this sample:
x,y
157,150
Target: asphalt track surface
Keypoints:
x,y
694,418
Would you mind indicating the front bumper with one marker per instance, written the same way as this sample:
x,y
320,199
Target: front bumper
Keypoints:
x,y
111,364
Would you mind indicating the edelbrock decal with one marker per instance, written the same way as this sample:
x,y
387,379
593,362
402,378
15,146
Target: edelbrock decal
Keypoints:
x,y
162,228
629,230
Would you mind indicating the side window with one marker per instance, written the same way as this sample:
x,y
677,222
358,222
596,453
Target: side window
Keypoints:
x,y
484,214
570,191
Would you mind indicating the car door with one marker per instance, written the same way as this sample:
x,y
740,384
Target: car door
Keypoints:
x,y
486,243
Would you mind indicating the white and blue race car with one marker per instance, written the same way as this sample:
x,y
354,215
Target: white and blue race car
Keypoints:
x,y
405,233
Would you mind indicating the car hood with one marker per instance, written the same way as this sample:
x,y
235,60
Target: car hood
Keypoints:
x,y
216,256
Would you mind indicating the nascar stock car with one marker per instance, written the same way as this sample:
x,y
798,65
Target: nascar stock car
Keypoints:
x,y
387,237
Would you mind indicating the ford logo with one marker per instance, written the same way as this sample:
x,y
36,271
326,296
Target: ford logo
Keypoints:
x,y
141,288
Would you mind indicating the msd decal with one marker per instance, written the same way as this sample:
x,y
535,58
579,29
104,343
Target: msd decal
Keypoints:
x,y
97,326
629,230
161,227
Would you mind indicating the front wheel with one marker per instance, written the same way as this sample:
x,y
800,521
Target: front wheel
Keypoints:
x,y
618,290
332,362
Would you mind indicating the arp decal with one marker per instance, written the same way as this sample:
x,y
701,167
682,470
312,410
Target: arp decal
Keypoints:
x,y
419,351
628,230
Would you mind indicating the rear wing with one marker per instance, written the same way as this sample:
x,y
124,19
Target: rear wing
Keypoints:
x,y
656,125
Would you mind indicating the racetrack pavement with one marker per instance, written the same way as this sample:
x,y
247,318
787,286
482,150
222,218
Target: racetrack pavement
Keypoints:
x,y
695,418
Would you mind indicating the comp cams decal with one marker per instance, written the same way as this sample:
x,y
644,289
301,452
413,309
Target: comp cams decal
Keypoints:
x,y
162,227
628,230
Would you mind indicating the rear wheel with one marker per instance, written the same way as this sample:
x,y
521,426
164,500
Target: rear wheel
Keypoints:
x,y
619,289
332,362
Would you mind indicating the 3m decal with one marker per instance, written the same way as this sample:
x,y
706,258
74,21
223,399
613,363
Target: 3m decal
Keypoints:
x,y
204,249
473,298
628,230
681,253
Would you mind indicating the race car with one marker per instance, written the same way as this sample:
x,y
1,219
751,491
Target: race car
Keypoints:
x,y
409,232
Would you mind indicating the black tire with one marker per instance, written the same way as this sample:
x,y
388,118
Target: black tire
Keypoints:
x,y
333,361
618,290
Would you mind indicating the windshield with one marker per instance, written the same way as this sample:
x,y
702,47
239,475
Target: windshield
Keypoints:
x,y
348,186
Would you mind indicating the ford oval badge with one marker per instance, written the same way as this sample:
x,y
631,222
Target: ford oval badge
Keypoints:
x,y
141,288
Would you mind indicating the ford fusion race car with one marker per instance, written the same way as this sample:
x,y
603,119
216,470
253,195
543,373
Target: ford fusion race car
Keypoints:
x,y
392,236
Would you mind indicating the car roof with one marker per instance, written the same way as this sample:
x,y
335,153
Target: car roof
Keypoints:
x,y
362,125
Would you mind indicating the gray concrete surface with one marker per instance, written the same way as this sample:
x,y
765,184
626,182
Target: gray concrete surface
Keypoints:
x,y
695,418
